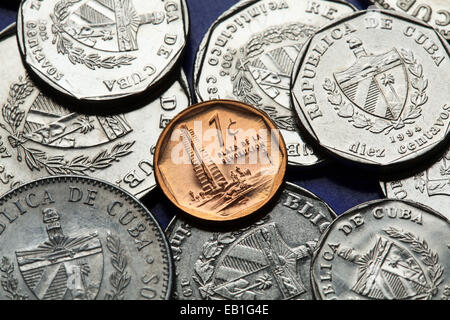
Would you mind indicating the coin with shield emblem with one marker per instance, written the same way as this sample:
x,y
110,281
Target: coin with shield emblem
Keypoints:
x,y
430,187
267,260
102,50
248,55
372,89
42,137
384,249
229,156
77,238
434,12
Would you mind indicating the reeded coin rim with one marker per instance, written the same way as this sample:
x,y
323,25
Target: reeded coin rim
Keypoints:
x,y
153,222
278,179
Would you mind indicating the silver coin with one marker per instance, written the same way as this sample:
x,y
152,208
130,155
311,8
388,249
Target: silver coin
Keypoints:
x,y
248,55
384,249
97,50
79,238
372,88
434,12
39,137
269,260
431,187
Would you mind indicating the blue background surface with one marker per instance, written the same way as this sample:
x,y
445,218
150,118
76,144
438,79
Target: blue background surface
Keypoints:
x,y
341,186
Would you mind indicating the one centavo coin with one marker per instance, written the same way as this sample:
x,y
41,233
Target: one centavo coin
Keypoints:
x,y
434,12
40,137
220,160
97,50
384,249
269,260
248,55
372,89
431,187
79,238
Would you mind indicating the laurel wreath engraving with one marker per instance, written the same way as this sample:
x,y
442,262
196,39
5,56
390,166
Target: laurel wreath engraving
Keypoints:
x,y
362,121
37,159
429,258
9,282
242,86
119,279
77,55
205,264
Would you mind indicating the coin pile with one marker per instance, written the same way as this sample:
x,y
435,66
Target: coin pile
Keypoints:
x,y
97,115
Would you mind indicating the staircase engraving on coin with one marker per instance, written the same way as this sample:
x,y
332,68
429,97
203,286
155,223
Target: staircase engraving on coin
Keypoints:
x,y
431,187
248,55
384,249
385,93
268,260
102,50
76,238
433,12
40,137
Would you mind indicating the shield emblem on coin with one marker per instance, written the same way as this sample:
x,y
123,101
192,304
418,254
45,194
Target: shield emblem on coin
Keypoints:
x,y
377,84
62,267
49,124
259,265
107,25
389,271
74,276
272,72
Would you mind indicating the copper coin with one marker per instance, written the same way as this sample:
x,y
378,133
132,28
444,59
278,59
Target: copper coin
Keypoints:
x,y
220,160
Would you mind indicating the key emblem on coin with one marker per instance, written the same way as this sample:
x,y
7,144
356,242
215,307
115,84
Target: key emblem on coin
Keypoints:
x,y
384,249
106,25
267,260
77,238
430,187
249,53
389,270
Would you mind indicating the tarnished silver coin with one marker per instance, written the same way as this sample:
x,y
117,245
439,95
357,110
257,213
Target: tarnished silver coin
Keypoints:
x,y
248,55
434,12
373,88
431,187
79,238
269,260
384,249
39,137
102,50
